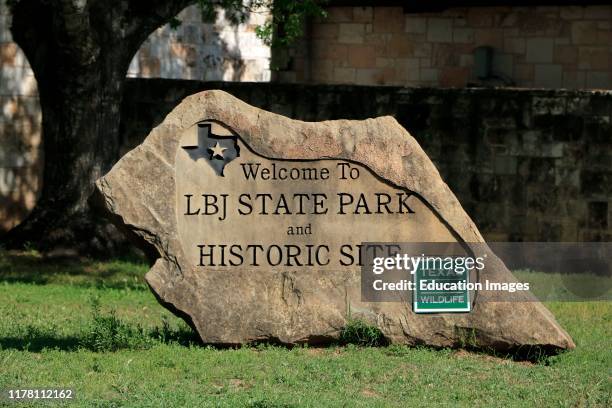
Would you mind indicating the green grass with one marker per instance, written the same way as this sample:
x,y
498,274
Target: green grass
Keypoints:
x,y
361,333
573,287
149,358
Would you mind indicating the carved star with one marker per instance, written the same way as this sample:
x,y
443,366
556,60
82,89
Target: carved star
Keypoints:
x,y
217,150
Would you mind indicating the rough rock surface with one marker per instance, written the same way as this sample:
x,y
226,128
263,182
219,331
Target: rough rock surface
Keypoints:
x,y
240,306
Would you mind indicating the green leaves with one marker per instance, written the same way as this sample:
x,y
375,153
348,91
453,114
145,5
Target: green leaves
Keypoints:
x,y
174,23
109,333
361,333
284,27
288,20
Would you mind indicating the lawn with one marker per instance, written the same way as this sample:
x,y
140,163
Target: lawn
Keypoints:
x,y
49,311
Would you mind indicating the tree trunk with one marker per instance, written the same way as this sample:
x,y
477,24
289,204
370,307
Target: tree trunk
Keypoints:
x,y
80,54
81,143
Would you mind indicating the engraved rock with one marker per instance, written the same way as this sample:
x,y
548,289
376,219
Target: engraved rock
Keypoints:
x,y
254,221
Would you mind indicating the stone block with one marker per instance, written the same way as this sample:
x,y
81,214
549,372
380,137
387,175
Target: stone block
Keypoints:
x,y
327,50
530,142
548,75
454,76
604,25
504,139
327,30
8,53
594,58
479,17
572,12
5,34
539,50
460,21
445,56
408,70
523,72
505,165
344,75
507,19
339,14
149,67
585,33
415,24
598,12
398,46
363,14
598,80
388,20
362,56
374,39
489,37
514,45
563,40
553,150
374,76
382,62
463,35
565,54
466,60
440,30
351,33
422,49
407,63
425,62
323,71
511,32
429,74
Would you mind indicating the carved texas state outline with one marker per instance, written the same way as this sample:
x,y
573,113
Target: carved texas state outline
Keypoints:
x,y
216,150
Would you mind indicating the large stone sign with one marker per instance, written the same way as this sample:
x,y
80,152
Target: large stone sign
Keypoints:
x,y
257,224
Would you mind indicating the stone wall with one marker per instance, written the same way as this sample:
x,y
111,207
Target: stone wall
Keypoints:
x,y
215,51
527,165
541,47
20,133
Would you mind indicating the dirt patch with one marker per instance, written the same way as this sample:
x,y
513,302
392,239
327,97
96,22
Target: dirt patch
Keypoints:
x,y
369,393
488,357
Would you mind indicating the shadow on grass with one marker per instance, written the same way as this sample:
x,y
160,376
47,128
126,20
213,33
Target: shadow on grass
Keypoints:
x,y
105,332
32,268
37,342
521,354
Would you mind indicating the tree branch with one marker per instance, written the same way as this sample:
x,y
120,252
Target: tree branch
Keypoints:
x,y
143,17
